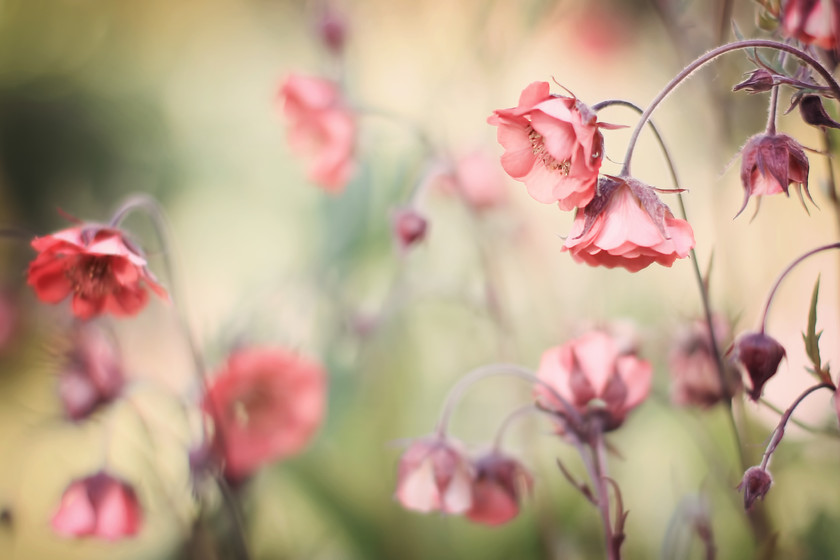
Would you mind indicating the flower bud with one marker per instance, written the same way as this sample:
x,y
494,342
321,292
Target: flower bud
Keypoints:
x,y
812,111
760,355
497,488
770,163
758,81
755,484
332,30
409,227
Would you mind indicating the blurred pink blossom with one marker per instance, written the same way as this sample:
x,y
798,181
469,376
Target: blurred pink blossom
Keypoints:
x,y
435,475
266,404
322,129
92,373
497,488
98,506
813,22
477,179
596,377
409,227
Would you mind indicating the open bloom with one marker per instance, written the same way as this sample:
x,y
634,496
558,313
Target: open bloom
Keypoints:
x,y
99,266
92,374
266,404
321,128
98,506
553,144
813,22
770,163
627,225
596,376
435,475
497,489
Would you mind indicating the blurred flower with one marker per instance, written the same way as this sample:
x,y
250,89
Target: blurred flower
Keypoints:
x,y
695,380
92,373
102,269
552,144
332,28
478,180
760,355
596,377
770,163
497,489
755,484
814,22
98,506
266,404
409,227
627,225
321,128
435,475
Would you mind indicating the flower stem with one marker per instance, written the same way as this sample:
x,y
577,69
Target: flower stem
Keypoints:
x,y
708,57
509,419
771,110
599,451
784,273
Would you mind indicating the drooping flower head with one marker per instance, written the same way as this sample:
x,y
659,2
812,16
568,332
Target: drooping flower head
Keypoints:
x,y
497,489
98,506
92,374
770,163
266,404
435,474
99,266
760,355
813,22
596,376
553,144
627,225
477,179
321,128
755,484
695,380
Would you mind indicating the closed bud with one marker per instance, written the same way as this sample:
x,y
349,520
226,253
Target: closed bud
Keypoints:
x,y
497,488
409,227
760,355
758,81
755,484
812,111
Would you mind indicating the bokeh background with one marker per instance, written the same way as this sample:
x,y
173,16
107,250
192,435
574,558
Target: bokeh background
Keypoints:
x,y
101,99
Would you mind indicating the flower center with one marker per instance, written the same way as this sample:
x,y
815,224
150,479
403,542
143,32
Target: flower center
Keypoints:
x,y
91,276
539,150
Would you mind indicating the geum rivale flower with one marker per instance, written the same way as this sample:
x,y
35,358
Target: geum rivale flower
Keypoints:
x,y
99,506
497,489
627,225
266,404
435,474
770,163
553,144
813,22
98,266
322,129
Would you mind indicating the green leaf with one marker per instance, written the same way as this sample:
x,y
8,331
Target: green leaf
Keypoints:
x,y
811,338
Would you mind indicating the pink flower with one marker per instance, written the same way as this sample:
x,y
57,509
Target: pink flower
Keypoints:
x,y
435,475
695,380
552,144
627,225
813,22
321,129
596,377
770,163
478,180
102,269
266,404
92,375
98,506
497,489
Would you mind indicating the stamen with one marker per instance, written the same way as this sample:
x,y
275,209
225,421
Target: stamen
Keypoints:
x,y
538,148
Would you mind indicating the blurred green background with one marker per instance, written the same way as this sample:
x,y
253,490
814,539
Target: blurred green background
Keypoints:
x,y
100,99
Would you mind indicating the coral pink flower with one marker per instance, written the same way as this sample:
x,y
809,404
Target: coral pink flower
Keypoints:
x,y
770,163
552,144
266,404
98,506
477,179
102,269
92,374
321,129
497,489
595,376
627,225
814,22
435,475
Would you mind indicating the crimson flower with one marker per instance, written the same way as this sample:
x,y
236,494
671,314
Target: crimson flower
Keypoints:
x,y
596,377
627,225
266,404
553,144
770,163
102,269
435,475
98,506
813,22
321,128
497,489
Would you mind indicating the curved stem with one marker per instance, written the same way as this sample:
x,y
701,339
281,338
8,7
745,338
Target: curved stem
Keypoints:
x,y
708,57
509,419
784,273
479,373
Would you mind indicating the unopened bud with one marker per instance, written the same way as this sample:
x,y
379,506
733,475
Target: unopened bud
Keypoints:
x,y
760,355
755,484
813,112
758,81
332,29
409,227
